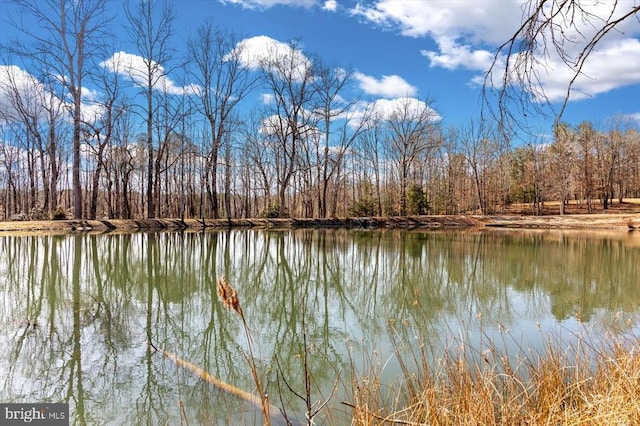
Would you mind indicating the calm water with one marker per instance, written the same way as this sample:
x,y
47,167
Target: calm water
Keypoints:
x,y
96,300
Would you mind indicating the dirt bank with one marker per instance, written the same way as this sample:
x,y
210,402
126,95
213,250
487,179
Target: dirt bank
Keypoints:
x,y
622,222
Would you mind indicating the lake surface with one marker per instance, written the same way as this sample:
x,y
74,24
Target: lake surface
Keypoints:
x,y
77,311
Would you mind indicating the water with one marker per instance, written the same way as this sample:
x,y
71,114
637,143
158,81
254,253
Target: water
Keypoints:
x,y
77,311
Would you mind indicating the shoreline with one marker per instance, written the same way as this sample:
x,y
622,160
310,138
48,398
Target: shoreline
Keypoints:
x,y
598,221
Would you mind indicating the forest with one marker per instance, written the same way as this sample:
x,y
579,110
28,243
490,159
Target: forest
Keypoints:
x,y
134,146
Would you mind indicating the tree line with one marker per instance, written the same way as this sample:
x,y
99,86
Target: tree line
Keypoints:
x,y
139,146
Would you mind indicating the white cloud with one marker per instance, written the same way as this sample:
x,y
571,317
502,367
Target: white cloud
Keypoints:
x,y
330,5
266,4
274,124
613,66
92,112
452,56
18,86
263,51
15,82
385,109
389,86
467,32
135,68
406,106
479,20
634,117
90,94
252,52
19,89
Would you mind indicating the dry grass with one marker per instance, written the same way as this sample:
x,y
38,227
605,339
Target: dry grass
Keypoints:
x,y
585,384
628,206
579,381
582,381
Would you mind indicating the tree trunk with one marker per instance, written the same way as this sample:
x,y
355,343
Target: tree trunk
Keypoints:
x,y
150,162
95,189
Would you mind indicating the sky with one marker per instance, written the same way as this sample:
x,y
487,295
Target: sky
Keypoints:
x,y
433,51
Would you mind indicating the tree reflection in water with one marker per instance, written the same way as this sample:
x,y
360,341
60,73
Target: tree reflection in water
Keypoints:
x,y
97,299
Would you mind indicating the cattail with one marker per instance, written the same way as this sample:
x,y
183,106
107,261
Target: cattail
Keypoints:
x,y
229,296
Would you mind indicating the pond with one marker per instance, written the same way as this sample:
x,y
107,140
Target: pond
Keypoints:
x,y
84,318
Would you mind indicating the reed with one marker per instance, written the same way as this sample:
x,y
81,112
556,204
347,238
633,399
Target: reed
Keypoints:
x,y
587,383
583,381
229,298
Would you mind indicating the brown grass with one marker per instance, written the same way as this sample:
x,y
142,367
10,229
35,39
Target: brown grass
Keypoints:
x,y
585,384
628,206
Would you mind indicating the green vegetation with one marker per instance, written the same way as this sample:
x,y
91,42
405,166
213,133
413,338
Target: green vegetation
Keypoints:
x,y
416,200
59,214
363,207
271,211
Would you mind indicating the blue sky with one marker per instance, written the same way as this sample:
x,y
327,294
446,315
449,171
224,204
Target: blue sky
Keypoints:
x,y
428,49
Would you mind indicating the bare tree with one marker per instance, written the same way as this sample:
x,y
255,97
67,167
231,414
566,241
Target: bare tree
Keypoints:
x,y
121,163
529,169
34,104
224,80
562,162
585,140
288,74
73,35
607,149
170,113
329,84
99,132
151,32
369,146
411,127
257,151
625,137
11,160
339,127
569,30
455,186
481,149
